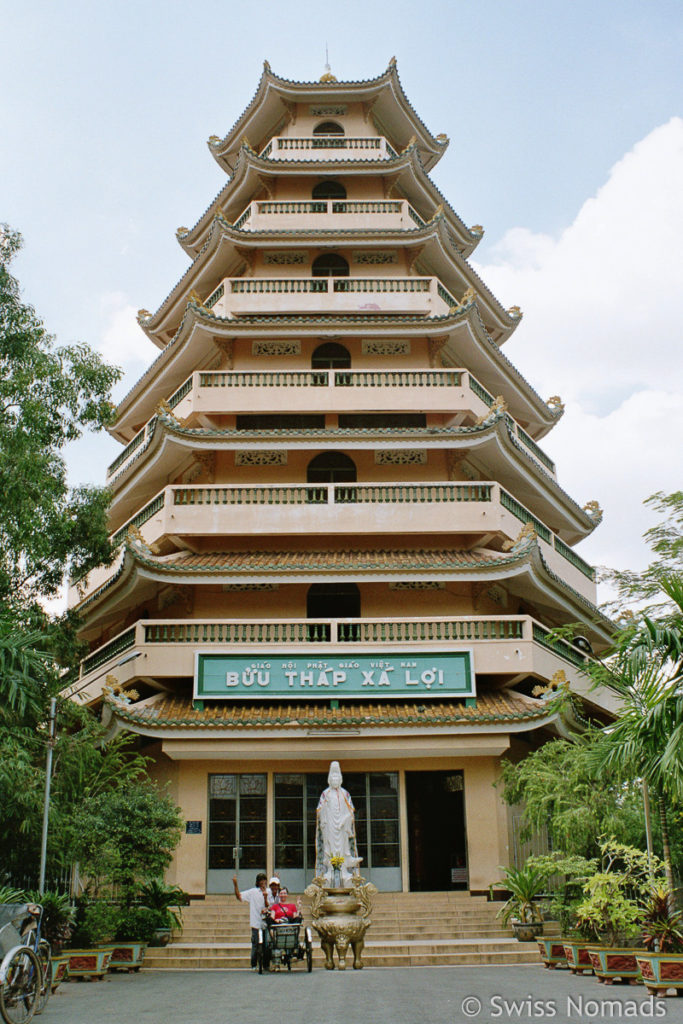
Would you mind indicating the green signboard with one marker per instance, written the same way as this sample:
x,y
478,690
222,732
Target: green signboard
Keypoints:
x,y
368,676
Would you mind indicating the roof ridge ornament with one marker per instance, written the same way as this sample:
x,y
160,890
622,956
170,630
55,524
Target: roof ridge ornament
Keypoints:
x,y
392,63
143,314
196,299
515,312
498,409
556,405
115,690
213,140
135,542
524,539
477,230
468,299
558,681
593,511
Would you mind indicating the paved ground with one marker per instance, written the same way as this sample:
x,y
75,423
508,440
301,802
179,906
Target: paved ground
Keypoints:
x,y
416,995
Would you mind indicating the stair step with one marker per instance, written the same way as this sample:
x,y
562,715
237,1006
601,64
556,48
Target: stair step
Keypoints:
x,y
408,929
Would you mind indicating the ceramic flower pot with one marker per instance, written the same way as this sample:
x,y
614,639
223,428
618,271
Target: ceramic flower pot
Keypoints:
x,y
610,962
527,932
661,971
552,953
59,965
578,960
127,956
88,963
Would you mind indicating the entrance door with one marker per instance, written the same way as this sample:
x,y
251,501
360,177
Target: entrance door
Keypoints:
x,y
436,825
237,830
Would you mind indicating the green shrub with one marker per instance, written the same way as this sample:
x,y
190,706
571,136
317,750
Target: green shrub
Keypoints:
x,y
96,922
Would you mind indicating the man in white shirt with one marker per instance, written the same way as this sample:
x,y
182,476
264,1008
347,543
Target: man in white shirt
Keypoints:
x,y
258,900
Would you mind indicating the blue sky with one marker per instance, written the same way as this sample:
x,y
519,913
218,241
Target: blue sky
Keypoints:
x,y
566,144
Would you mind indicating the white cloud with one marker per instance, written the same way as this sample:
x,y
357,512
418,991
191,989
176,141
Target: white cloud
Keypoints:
x,y
122,340
601,328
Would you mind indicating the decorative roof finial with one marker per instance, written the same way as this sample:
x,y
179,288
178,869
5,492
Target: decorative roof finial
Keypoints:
x,y
327,76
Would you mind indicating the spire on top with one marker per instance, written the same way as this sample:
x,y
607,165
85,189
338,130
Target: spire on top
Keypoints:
x,y
327,76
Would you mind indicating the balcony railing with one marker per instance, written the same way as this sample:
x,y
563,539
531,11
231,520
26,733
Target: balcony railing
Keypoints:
x,y
492,514
262,296
370,380
328,147
486,634
389,214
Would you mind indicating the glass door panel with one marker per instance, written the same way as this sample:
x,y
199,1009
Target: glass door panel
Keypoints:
x,y
237,830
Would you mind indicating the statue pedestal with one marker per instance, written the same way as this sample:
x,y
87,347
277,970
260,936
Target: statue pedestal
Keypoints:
x,y
341,918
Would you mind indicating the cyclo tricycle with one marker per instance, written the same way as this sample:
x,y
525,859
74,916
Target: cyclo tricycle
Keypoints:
x,y
25,964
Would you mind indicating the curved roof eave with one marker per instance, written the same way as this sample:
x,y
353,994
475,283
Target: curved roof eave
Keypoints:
x,y
524,559
196,317
222,231
167,431
268,106
166,717
250,167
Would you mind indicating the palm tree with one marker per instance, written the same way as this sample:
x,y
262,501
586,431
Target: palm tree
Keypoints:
x,y
646,740
25,668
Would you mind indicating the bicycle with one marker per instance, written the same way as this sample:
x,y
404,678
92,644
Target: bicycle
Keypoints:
x,y
25,969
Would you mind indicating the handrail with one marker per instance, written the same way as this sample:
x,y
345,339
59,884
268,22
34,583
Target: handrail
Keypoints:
x,y
341,378
415,630
435,492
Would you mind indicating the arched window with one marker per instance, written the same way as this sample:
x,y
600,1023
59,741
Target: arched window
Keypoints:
x,y
328,190
333,601
331,468
331,356
330,264
328,128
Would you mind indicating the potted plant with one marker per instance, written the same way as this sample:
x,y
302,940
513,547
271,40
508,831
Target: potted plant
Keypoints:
x,y
662,965
95,926
165,901
612,909
565,874
134,932
525,885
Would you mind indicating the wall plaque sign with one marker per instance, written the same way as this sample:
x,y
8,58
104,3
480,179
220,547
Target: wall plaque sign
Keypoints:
x,y
193,828
367,676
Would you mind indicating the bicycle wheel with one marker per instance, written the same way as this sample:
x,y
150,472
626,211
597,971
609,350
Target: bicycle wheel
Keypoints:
x,y
45,957
19,992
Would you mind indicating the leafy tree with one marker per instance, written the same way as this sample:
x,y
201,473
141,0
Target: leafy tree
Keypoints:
x,y
48,397
646,740
560,788
85,768
127,835
665,538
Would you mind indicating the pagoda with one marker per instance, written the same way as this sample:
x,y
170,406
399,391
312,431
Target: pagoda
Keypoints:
x,y
338,534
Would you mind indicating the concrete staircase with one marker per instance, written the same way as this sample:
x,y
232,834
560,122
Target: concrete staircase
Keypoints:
x,y
408,930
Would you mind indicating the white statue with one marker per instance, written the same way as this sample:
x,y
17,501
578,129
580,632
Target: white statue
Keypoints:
x,y
335,834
